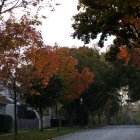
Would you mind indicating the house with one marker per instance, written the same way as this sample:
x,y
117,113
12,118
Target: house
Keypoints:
x,y
26,116
4,101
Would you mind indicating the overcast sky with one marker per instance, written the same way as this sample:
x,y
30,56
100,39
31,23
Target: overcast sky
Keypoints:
x,y
57,27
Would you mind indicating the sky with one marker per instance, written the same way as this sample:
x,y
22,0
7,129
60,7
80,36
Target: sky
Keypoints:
x,y
57,27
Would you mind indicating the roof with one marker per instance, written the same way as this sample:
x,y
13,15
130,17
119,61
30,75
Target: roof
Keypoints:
x,y
5,100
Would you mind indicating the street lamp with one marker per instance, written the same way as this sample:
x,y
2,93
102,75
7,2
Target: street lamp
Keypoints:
x,y
81,100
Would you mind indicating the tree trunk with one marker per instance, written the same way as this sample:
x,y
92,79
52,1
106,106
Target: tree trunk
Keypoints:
x,y
70,118
41,119
110,118
15,106
57,117
99,119
92,114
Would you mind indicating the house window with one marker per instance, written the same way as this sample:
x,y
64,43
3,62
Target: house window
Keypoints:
x,y
2,109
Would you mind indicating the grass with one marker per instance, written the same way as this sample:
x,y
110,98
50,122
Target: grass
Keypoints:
x,y
37,135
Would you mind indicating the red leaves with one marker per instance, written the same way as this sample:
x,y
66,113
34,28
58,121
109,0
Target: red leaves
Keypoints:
x,y
24,55
132,56
135,57
124,54
18,34
65,61
78,83
49,61
16,38
44,61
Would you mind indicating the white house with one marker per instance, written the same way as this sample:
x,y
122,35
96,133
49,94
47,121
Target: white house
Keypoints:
x,y
30,120
24,121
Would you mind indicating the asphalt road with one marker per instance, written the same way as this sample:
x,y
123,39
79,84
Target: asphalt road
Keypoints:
x,y
128,132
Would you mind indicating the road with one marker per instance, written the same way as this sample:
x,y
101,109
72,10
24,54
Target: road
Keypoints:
x,y
128,132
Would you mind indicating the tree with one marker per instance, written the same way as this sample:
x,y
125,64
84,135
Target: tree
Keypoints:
x,y
16,37
108,17
104,90
45,70
87,57
9,6
78,83
45,95
48,61
126,61
130,56
131,60
106,80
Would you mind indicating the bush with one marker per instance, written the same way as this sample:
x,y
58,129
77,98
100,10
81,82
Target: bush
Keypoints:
x,y
26,114
30,114
64,122
54,122
5,123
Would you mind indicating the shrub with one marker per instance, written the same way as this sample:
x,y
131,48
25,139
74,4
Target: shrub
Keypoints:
x,y
54,122
30,114
64,123
27,114
24,113
5,123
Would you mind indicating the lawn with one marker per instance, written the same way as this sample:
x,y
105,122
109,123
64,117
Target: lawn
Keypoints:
x,y
37,135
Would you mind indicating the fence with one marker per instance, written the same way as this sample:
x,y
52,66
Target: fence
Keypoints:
x,y
27,124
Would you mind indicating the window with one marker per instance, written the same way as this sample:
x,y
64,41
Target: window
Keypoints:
x,y
2,109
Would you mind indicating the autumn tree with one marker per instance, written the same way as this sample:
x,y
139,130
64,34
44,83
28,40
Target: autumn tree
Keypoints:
x,y
47,68
47,62
130,60
9,6
126,62
106,82
108,17
78,83
45,96
119,18
104,90
16,37
77,80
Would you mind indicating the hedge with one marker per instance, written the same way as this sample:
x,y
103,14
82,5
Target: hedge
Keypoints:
x,y
5,123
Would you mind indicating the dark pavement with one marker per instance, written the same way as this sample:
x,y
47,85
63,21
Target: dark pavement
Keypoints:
x,y
127,132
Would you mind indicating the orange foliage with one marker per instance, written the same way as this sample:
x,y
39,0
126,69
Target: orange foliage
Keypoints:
x,y
135,57
24,55
16,37
44,62
49,61
132,56
79,83
124,54
132,20
66,62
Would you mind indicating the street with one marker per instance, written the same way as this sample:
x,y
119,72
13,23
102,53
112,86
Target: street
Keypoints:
x,y
127,132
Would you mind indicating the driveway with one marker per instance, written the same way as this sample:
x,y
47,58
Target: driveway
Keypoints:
x,y
127,132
